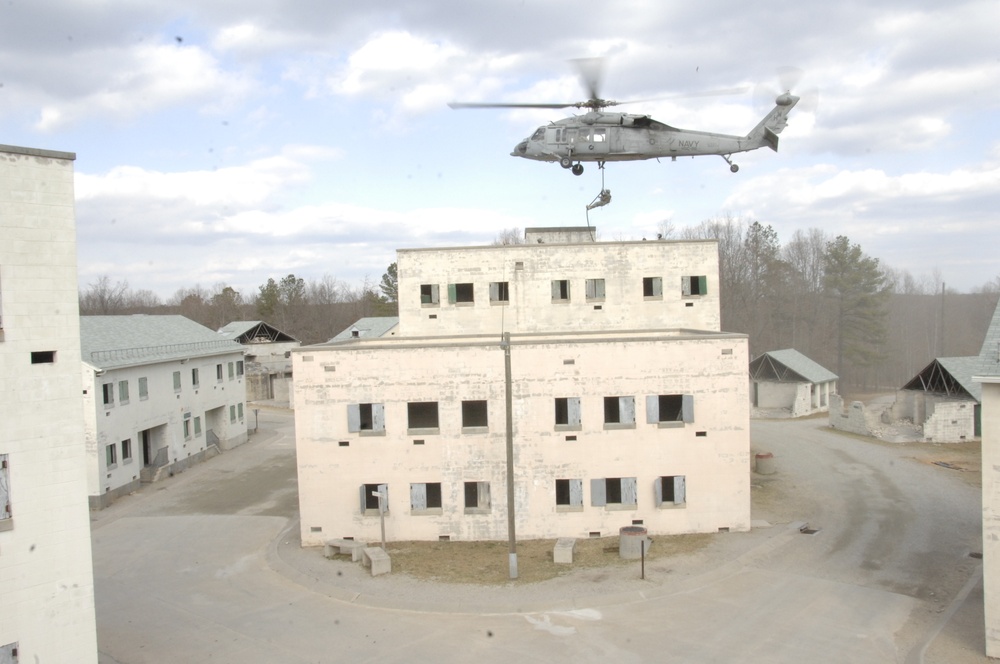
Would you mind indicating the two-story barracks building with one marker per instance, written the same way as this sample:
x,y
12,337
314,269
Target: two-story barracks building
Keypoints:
x,y
629,406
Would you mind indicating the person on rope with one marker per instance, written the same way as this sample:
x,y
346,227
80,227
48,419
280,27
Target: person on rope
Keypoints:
x,y
602,199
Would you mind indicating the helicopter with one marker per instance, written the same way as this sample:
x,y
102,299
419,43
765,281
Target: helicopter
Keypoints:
x,y
601,136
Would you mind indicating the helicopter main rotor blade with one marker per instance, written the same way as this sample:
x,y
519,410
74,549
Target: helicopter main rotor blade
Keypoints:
x,y
457,104
724,92
591,71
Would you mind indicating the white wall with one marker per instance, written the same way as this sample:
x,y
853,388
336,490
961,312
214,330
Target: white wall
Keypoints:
x,y
394,372
622,265
47,589
991,514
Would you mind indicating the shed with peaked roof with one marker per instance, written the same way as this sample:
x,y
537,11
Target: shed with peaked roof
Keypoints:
x,y
368,328
268,357
786,383
943,400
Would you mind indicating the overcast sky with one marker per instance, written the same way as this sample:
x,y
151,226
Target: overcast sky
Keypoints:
x,y
228,142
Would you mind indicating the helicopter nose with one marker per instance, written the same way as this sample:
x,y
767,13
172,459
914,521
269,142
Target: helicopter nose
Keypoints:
x,y
520,149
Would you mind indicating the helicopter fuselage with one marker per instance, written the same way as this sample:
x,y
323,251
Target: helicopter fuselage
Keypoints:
x,y
600,136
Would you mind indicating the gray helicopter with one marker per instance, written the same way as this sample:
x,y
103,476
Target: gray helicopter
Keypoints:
x,y
601,136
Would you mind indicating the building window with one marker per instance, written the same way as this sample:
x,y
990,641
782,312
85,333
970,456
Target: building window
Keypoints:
x,y
422,417
652,287
127,450
499,292
669,408
425,497
595,289
560,290
5,511
197,426
177,381
694,285
108,394
111,456
670,490
619,412
123,391
477,497
474,415
567,413
366,418
143,389
370,494
613,492
43,356
231,374
461,293
429,295
239,411
187,426
569,495
194,378
239,368
218,373
232,413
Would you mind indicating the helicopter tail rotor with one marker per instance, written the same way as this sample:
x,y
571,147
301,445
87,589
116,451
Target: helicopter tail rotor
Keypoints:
x,y
765,96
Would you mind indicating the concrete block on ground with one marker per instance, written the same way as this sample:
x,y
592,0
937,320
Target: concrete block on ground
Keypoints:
x,y
377,559
335,547
563,551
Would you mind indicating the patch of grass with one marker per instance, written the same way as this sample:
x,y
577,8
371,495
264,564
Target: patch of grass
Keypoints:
x,y
488,563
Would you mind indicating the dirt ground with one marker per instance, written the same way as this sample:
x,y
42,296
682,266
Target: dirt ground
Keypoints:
x,y
485,563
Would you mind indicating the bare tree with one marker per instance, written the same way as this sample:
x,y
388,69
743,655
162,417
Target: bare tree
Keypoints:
x,y
102,298
509,236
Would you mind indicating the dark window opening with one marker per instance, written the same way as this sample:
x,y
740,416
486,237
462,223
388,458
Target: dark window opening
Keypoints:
x,y
367,419
562,410
472,494
612,410
671,407
500,291
562,492
613,490
428,294
43,356
422,415
560,289
652,287
433,495
464,293
474,414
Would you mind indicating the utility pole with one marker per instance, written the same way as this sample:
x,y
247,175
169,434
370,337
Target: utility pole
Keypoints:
x,y
511,536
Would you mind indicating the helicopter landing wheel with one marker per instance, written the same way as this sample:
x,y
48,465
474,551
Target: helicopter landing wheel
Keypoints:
x,y
733,167
577,169
565,162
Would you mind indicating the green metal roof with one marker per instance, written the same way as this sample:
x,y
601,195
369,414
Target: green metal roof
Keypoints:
x,y
789,365
110,342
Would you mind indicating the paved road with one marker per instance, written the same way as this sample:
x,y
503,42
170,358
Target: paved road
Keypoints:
x,y
205,567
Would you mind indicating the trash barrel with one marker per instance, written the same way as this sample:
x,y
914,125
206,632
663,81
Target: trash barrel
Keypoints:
x,y
765,463
632,541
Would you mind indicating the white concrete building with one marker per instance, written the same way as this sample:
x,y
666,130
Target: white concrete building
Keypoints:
x,y
160,393
46,572
629,406
942,400
988,375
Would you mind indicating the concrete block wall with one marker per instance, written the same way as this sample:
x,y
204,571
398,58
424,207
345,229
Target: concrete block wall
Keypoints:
x,y
950,421
853,418
991,513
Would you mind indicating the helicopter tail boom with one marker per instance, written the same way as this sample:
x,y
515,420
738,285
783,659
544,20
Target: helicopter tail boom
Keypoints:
x,y
767,130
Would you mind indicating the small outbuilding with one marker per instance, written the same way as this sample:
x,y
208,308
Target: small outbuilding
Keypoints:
x,y
786,383
268,359
942,399
369,328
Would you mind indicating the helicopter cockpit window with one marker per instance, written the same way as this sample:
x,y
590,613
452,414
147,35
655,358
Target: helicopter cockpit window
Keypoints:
x,y
599,135
539,134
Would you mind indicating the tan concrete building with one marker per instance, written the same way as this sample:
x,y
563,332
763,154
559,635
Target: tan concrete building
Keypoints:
x,y
629,407
989,376
46,572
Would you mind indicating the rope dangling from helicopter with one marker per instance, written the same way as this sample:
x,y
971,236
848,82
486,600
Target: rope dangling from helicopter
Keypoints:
x,y
601,199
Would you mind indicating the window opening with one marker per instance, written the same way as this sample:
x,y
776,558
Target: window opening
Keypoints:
x,y
5,511
569,493
194,377
422,415
111,455
143,388
43,356
461,293
127,449
595,289
474,414
670,408
697,285
567,411
108,394
370,497
477,495
671,490
619,410
652,287
429,294
425,496
123,391
177,381
613,491
560,290
500,291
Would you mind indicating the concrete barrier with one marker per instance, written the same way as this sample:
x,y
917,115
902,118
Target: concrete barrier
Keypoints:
x,y
765,464
563,551
633,542
377,559
335,547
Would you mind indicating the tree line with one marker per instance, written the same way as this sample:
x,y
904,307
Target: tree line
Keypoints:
x,y
822,295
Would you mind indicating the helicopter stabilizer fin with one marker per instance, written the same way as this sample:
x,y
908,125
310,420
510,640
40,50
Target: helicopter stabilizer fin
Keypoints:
x,y
770,139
